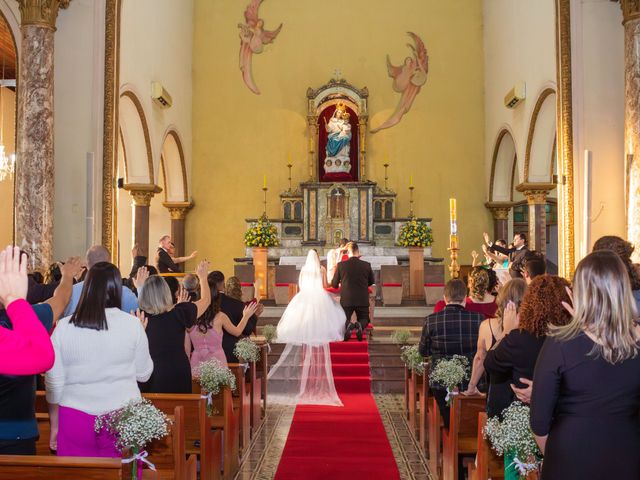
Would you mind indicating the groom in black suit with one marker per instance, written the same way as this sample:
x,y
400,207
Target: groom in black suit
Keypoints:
x,y
354,277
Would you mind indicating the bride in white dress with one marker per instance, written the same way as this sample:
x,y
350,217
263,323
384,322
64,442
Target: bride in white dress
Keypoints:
x,y
312,320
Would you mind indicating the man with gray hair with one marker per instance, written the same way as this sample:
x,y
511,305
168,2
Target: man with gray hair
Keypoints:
x,y
191,284
166,262
98,254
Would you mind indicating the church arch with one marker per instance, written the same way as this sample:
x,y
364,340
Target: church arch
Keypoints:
x,y
539,162
503,163
174,168
135,139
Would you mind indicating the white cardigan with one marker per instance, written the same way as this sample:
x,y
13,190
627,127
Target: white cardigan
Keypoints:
x,y
96,371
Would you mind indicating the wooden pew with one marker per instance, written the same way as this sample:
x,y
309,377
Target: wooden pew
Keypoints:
x,y
462,436
488,463
168,454
412,413
436,424
44,427
263,372
41,402
256,397
424,404
25,467
242,401
194,432
226,421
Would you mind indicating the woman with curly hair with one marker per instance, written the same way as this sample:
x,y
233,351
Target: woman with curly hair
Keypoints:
x,y
233,288
206,335
624,250
480,299
515,355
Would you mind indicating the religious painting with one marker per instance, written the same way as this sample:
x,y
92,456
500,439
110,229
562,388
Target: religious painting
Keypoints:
x,y
338,144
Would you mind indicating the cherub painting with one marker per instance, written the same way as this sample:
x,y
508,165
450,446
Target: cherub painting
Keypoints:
x,y
253,37
407,80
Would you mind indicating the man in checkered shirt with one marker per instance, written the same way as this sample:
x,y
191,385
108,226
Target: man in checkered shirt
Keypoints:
x,y
452,331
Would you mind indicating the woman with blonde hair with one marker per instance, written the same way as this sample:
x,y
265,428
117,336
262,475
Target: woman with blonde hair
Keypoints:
x,y
491,332
166,328
233,288
586,385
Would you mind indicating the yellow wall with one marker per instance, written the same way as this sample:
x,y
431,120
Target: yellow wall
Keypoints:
x,y
239,136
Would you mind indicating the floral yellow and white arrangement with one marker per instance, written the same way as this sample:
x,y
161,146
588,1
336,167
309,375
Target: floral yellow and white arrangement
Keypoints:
x,y
134,426
449,373
261,234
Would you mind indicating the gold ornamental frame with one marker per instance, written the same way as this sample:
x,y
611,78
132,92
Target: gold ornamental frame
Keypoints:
x,y
564,140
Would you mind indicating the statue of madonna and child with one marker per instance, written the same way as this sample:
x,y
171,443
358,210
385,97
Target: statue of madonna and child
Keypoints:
x,y
338,128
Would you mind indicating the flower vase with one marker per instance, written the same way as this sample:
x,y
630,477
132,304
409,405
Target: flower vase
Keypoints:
x,y
416,273
260,270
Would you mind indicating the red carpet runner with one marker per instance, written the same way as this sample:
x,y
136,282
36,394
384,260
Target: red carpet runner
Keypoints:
x,y
340,442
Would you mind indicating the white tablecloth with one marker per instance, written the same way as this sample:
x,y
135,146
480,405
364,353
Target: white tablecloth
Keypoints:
x,y
375,261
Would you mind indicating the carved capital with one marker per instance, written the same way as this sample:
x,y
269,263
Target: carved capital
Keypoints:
x,y
41,12
499,210
536,193
142,193
630,10
178,210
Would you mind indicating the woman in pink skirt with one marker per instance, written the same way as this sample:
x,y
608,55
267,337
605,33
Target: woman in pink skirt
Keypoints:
x,y
101,354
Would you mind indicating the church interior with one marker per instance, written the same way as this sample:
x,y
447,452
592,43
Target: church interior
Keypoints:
x,y
440,143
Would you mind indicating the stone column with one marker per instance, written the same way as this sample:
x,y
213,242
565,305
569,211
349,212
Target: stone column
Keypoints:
x,y
536,194
500,212
178,212
34,184
141,195
631,22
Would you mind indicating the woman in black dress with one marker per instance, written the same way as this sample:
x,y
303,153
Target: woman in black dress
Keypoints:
x,y
586,385
166,330
515,355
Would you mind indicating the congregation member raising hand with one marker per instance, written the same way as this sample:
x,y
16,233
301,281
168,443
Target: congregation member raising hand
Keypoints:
x,y
586,385
25,348
101,352
166,331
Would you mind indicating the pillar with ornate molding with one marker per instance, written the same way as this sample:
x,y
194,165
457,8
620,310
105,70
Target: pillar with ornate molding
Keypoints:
x,y
34,184
631,22
141,195
536,194
178,212
500,212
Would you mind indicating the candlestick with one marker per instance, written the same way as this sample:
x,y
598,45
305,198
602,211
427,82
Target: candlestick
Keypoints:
x,y
264,211
454,268
386,177
411,181
411,215
289,165
453,216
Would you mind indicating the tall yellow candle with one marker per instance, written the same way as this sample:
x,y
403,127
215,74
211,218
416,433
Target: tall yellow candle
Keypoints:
x,y
453,216
411,180
264,181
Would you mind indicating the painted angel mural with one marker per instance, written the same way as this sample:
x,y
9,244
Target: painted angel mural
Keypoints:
x,y
253,37
408,78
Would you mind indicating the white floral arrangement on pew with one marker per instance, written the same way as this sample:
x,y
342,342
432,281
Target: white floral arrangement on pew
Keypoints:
x,y
134,426
401,337
213,376
247,351
450,373
513,436
270,333
413,359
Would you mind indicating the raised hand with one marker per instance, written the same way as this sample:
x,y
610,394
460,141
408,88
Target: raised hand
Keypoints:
x,y
71,268
193,255
183,295
250,309
142,317
203,268
487,240
134,250
141,276
510,318
13,275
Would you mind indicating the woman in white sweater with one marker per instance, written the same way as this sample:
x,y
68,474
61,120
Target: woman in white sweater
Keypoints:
x,y
101,353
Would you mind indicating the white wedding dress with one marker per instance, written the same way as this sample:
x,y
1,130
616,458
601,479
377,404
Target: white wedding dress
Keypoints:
x,y
312,320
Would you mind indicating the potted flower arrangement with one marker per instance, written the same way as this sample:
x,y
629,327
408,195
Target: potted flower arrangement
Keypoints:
x,y
512,438
270,333
213,376
260,236
450,373
134,426
416,235
412,359
247,351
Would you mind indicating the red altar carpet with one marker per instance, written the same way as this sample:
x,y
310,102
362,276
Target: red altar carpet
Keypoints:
x,y
340,442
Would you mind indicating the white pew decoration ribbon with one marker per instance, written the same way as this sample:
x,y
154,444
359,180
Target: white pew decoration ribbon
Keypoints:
x,y
142,456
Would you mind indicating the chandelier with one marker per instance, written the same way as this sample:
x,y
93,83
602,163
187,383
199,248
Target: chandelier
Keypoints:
x,y
7,162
